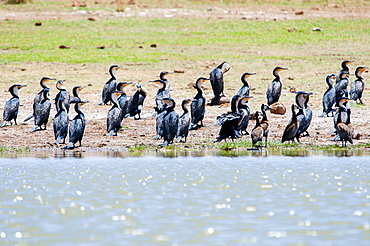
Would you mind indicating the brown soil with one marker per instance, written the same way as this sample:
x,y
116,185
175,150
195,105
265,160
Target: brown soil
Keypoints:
x,y
137,132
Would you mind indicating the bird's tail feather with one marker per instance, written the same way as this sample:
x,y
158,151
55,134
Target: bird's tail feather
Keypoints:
x,y
28,118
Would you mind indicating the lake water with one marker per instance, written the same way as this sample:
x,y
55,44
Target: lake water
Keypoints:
x,y
187,200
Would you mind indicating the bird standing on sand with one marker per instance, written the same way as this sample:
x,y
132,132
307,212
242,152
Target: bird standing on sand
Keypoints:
x,y
163,92
136,102
198,105
38,98
343,130
304,114
122,99
244,91
60,123
114,116
12,105
244,112
77,126
110,85
217,81
274,90
291,129
328,98
184,121
42,111
341,85
357,86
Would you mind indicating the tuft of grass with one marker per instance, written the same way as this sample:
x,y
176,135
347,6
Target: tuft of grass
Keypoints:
x,y
140,147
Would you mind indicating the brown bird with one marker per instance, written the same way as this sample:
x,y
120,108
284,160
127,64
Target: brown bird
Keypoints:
x,y
344,131
264,122
292,128
257,132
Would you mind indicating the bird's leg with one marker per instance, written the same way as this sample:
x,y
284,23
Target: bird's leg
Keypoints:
x,y
15,121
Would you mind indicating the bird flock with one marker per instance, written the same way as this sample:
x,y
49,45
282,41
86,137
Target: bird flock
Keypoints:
x,y
174,127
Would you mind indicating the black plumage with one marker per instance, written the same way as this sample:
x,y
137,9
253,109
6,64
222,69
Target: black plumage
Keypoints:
x,y
114,116
245,89
163,92
344,69
110,85
170,121
344,132
274,90
244,112
60,123
63,93
136,102
39,96
304,114
12,105
328,99
198,105
77,126
341,85
184,122
217,81
123,99
229,123
42,111
357,87
291,129
76,94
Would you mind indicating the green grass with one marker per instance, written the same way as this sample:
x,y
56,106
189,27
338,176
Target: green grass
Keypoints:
x,y
178,40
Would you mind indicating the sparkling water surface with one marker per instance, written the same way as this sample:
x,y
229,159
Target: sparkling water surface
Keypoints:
x,y
210,200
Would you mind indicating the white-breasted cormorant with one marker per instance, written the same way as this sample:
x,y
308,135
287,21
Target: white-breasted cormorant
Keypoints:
x,y
328,99
342,108
12,105
345,68
110,85
163,92
217,81
357,86
170,121
291,129
60,123
244,91
63,93
42,111
122,99
114,116
39,95
184,121
274,90
198,105
77,126
136,102
76,94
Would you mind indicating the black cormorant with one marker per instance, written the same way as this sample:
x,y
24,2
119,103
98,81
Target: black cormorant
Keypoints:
x,y
244,91
42,111
114,117
163,92
60,123
136,102
244,112
357,86
341,84
328,99
198,105
12,105
122,99
217,81
77,126
76,94
304,114
229,122
292,127
343,130
170,121
274,90
343,106
63,93
38,98
184,121
345,68
110,85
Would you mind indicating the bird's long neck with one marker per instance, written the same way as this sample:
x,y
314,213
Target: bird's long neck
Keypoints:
x,y
348,117
244,81
328,81
113,73
14,92
257,119
78,109
185,108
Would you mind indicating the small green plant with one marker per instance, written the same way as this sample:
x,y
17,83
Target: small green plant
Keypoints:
x,y
18,1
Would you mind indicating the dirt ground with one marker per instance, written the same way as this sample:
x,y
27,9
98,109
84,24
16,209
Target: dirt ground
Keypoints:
x,y
141,132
